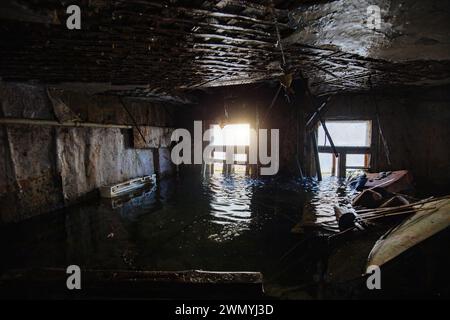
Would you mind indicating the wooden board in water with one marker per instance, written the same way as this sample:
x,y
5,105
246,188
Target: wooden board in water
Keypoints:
x,y
412,231
397,181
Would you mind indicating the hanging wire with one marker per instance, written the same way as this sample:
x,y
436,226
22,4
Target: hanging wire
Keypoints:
x,y
280,45
133,119
377,115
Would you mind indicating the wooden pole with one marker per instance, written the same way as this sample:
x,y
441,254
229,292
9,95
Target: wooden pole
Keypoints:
x,y
342,165
316,155
333,165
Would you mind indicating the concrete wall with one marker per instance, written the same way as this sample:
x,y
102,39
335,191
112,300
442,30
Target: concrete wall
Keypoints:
x,y
46,168
416,125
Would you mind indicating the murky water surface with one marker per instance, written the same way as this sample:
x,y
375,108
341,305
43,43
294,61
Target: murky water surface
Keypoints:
x,y
231,223
218,223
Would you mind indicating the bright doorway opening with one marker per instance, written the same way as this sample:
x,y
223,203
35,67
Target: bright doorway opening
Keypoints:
x,y
236,135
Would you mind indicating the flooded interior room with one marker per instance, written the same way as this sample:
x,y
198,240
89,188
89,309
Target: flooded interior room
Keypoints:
x,y
224,149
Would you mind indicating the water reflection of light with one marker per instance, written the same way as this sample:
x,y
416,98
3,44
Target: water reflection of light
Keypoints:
x,y
318,209
230,198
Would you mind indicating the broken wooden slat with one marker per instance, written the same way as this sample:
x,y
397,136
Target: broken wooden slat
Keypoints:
x,y
51,282
311,123
348,150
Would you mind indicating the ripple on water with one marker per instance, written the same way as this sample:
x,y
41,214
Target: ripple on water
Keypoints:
x,y
321,197
231,212
230,205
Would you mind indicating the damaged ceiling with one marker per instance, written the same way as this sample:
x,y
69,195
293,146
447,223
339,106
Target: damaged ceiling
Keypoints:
x,y
165,49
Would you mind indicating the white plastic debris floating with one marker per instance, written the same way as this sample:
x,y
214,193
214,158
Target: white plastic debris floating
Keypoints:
x,y
125,187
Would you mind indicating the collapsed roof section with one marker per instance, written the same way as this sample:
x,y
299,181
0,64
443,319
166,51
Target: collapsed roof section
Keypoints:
x,y
164,49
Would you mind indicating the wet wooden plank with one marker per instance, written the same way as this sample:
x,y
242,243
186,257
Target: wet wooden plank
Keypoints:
x,y
51,283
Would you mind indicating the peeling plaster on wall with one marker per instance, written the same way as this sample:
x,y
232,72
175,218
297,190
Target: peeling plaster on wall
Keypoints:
x,y
410,30
46,168
30,178
34,166
91,158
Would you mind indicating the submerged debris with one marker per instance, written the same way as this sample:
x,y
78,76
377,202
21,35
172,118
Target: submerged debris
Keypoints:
x,y
431,217
369,198
347,219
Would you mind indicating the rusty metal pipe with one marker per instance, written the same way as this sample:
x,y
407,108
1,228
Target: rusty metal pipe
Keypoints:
x,y
40,122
